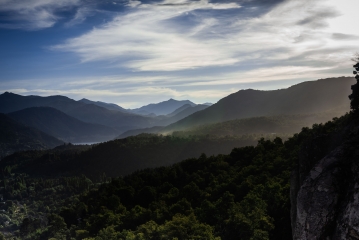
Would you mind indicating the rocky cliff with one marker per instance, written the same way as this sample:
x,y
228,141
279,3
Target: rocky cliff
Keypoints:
x,y
325,183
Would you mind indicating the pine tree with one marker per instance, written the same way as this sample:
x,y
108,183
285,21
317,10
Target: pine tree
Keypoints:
x,y
354,97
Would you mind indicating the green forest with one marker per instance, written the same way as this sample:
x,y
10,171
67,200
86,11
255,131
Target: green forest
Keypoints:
x,y
240,195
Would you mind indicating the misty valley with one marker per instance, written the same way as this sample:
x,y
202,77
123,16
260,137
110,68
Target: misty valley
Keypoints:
x,y
254,165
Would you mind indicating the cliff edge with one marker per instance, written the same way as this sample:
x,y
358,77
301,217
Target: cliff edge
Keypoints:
x,y
325,183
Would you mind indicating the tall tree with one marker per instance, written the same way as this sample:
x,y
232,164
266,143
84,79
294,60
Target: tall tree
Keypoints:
x,y
354,97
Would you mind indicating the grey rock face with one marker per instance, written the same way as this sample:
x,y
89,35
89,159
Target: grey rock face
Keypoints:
x,y
326,205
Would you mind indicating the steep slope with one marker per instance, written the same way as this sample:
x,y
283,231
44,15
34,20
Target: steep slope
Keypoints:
x,y
162,108
324,183
304,98
15,137
109,106
63,126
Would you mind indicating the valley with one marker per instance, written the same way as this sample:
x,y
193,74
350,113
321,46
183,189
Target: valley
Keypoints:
x,y
153,182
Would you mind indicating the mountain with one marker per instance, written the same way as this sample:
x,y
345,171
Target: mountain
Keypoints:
x,y
162,108
181,113
15,136
63,126
109,106
10,102
119,120
305,98
178,110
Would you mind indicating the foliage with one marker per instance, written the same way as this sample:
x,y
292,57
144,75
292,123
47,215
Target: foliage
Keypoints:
x,y
354,97
241,195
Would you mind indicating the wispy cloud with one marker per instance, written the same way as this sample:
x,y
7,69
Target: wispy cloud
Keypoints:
x,y
33,14
151,41
180,34
197,49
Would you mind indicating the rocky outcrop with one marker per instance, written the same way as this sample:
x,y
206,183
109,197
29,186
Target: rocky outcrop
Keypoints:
x,y
325,202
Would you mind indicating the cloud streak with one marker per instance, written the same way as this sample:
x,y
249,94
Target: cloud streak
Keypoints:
x,y
33,14
175,35
149,51
147,37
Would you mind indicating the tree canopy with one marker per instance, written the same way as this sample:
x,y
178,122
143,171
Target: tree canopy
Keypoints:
x,y
354,97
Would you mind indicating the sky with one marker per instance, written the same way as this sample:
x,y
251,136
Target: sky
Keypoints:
x,y
133,52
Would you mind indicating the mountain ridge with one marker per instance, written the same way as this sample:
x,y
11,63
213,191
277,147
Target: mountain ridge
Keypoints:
x,y
307,97
162,108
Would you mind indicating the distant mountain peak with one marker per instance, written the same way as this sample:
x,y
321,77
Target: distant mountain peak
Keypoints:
x,y
162,108
8,93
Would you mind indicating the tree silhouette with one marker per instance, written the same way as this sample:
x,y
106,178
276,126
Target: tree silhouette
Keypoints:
x,y
354,97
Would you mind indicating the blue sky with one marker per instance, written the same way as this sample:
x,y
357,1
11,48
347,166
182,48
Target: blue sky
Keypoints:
x,y
133,52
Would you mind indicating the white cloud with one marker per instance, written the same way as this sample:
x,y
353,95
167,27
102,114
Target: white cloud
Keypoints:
x,y
143,36
133,3
152,38
33,14
81,14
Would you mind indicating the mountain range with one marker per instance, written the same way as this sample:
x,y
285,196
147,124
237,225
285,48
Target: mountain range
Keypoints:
x,y
100,113
162,108
90,121
306,103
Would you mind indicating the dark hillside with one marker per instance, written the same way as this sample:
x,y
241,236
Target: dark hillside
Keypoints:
x,y
63,126
15,136
124,156
284,124
242,195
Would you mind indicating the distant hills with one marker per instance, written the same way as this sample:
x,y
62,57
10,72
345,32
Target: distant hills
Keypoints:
x,y
162,108
63,126
90,121
109,106
15,136
305,98
10,102
107,114
178,114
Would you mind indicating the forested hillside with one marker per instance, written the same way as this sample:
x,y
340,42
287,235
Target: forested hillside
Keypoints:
x,y
124,156
15,136
242,195
284,124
